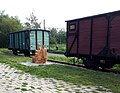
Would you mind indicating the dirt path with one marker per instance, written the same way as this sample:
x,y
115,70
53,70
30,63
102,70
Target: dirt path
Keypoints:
x,y
15,81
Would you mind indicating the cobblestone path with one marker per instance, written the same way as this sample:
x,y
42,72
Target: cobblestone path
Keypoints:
x,y
16,81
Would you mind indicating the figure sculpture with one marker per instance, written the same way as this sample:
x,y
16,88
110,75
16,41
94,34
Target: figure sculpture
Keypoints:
x,y
40,55
43,55
37,57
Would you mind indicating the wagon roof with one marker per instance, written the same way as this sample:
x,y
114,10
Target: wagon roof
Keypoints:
x,y
31,30
114,12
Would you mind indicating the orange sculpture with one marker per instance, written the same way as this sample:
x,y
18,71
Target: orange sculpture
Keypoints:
x,y
40,55
43,54
37,57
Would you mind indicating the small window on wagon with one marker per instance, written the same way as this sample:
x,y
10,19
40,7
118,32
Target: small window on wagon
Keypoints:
x,y
72,27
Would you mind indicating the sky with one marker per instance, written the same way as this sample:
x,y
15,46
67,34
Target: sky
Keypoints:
x,y
56,12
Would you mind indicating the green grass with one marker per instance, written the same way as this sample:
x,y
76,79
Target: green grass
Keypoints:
x,y
23,89
69,74
32,87
24,84
61,48
117,66
71,60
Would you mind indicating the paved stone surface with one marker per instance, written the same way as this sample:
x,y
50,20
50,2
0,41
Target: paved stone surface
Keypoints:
x,y
36,64
16,81
53,54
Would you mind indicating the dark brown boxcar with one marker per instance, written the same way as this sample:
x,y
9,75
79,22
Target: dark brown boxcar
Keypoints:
x,y
95,39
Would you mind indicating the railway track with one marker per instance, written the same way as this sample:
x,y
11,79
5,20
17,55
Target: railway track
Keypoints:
x,y
69,64
80,65
110,71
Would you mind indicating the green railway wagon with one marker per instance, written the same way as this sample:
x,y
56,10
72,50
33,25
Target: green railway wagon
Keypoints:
x,y
26,41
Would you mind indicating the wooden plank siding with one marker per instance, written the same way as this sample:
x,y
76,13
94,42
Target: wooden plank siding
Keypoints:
x,y
84,36
97,36
115,36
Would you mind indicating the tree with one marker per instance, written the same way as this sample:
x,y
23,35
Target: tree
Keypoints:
x,y
7,25
32,22
61,37
57,37
53,36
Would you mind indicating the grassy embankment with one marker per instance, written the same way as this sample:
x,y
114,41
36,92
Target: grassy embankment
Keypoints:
x,y
61,48
79,76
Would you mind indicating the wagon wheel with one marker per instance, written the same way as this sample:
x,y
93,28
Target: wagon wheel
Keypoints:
x,y
87,64
27,54
91,64
107,64
15,52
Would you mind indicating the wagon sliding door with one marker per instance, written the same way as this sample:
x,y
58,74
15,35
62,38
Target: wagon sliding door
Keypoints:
x,y
72,38
115,35
99,35
39,38
16,41
84,36
46,40
32,40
